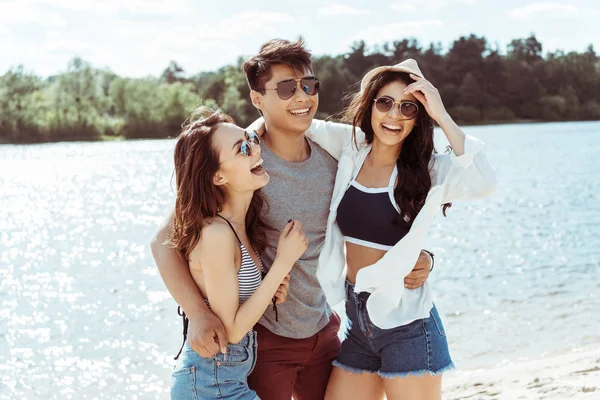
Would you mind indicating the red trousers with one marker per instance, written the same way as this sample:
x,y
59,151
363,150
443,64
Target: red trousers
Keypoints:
x,y
298,367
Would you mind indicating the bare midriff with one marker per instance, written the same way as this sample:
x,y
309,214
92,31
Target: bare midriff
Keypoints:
x,y
358,257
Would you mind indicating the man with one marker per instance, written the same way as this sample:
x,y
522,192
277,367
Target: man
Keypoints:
x,y
297,339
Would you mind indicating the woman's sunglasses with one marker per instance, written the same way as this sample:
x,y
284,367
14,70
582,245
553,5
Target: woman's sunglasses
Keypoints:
x,y
246,146
286,89
385,104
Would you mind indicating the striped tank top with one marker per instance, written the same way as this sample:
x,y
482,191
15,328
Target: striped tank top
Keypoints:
x,y
249,276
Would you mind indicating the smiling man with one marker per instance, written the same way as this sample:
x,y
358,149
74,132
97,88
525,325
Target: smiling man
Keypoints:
x,y
297,339
296,346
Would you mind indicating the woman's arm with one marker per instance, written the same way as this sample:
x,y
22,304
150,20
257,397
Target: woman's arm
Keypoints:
x,y
428,95
467,173
469,176
206,334
214,255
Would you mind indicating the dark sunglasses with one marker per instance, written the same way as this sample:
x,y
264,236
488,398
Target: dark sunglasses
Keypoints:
x,y
246,146
251,138
385,104
286,89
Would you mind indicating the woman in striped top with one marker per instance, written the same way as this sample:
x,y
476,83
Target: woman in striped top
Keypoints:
x,y
217,226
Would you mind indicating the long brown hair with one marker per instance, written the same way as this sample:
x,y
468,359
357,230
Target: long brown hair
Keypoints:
x,y
198,198
414,181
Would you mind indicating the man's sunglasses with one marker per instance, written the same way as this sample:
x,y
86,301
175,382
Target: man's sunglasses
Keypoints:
x,y
286,89
246,146
385,104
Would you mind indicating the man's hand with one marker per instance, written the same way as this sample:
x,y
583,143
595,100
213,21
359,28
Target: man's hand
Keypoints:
x,y
206,335
420,272
282,292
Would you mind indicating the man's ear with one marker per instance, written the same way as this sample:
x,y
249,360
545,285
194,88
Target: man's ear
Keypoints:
x,y
257,100
219,180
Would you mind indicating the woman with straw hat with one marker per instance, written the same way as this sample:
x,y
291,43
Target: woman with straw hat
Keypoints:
x,y
389,185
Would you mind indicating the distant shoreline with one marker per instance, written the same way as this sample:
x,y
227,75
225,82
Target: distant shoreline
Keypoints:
x,y
153,137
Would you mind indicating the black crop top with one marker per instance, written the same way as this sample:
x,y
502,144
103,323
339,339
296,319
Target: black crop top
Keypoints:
x,y
368,216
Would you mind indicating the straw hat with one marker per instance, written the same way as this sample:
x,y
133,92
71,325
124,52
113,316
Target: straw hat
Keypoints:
x,y
409,65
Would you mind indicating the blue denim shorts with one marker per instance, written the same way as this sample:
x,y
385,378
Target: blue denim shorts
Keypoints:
x,y
222,377
415,349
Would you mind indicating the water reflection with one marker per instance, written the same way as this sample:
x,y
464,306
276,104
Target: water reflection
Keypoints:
x,y
84,314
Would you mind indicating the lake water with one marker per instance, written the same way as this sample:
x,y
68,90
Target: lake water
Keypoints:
x,y
84,314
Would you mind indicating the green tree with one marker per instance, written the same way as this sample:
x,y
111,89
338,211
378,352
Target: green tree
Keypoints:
x,y
528,50
173,73
18,102
477,83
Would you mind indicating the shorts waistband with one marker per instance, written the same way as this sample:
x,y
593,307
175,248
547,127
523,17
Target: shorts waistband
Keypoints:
x,y
351,293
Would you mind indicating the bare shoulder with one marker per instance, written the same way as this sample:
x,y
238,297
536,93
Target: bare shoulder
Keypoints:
x,y
217,242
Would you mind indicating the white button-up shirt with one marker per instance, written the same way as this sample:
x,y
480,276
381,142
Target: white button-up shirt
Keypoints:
x,y
453,178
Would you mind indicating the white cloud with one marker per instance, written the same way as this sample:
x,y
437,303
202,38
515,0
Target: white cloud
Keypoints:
x,y
252,22
376,34
6,38
590,12
109,7
130,44
24,12
339,9
100,7
429,5
403,7
551,9
197,46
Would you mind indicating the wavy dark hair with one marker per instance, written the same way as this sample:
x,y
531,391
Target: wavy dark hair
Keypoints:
x,y
414,181
198,198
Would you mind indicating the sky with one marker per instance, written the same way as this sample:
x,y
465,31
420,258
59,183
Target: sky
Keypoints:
x,y
137,38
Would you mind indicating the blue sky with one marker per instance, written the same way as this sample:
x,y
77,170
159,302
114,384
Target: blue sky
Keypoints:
x,y
140,37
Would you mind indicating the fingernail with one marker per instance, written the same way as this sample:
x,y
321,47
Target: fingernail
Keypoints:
x,y
289,221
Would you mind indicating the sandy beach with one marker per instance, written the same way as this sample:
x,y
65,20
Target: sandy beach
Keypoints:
x,y
573,375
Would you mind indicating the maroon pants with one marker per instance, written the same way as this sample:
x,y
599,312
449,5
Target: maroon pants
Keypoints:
x,y
298,367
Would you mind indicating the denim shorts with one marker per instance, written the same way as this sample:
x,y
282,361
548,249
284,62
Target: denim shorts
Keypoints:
x,y
222,377
415,349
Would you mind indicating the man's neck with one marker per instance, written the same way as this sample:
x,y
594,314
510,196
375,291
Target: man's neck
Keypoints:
x,y
291,147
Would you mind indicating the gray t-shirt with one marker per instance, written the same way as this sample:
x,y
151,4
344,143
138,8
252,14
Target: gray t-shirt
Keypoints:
x,y
300,191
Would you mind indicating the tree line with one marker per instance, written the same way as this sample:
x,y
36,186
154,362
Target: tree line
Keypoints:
x,y
479,85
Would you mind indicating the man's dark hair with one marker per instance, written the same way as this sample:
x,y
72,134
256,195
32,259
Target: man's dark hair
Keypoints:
x,y
276,51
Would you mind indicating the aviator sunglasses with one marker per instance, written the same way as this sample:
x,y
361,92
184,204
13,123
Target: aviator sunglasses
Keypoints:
x,y
385,104
286,89
246,145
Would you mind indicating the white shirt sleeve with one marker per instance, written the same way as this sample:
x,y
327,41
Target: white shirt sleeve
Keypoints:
x,y
466,177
